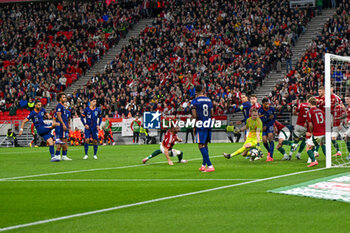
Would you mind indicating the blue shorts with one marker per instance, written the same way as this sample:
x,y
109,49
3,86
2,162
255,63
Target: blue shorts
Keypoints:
x,y
269,129
203,136
60,133
93,133
44,132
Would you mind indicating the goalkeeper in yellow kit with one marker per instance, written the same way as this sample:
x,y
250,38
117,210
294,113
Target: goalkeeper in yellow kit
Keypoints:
x,y
255,127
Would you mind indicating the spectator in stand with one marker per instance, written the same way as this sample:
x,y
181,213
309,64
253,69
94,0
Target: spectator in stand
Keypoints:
x,y
308,74
218,44
52,43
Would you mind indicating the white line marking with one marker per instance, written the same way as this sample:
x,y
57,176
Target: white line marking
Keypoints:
x,y
28,152
93,169
151,201
118,180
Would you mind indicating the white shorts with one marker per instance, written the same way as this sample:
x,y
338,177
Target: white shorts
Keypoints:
x,y
336,132
316,140
172,152
300,131
347,133
284,134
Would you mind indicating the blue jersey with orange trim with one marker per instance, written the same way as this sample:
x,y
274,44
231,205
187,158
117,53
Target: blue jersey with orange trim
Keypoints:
x,y
37,117
93,117
60,108
265,116
203,106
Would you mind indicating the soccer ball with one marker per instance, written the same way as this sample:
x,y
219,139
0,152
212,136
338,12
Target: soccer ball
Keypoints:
x,y
254,153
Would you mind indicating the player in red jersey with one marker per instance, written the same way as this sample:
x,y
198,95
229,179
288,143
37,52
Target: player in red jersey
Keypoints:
x,y
317,125
321,98
283,139
254,104
166,147
301,125
347,134
339,115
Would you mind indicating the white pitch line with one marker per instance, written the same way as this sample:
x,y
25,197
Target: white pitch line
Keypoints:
x,y
90,170
151,201
28,152
119,180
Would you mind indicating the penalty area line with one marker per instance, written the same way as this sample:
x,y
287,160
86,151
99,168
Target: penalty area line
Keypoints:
x,y
151,201
121,180
92,170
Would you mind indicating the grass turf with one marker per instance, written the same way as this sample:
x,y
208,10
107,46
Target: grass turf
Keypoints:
x,y
244,208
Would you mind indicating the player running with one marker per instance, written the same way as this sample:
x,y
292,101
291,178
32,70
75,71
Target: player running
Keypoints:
x,y
317,125
283,139
202,109
166,147
301,125
62,130
91,119
44,130
268,116
254,126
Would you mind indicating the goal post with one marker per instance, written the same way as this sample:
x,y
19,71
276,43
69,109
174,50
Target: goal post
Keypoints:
x,y
337,86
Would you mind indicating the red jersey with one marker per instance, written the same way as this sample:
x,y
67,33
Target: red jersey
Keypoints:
x,y
278,126
338,115
256,106
169,140
348,113
317,117
320,102
302,110
335,100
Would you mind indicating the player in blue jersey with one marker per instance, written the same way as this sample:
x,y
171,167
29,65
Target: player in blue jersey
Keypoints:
x,y
62,130
268,117
202,109
91,119
38,115
244,107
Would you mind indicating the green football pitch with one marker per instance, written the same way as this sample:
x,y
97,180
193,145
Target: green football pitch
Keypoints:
x,y
117,193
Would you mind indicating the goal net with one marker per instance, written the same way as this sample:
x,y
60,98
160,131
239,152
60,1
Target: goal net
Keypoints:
x,y
337,110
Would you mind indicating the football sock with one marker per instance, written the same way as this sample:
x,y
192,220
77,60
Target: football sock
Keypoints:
x,y
239,151
52,151
302,146
64,153
287,143
317,148
95,149
266,145
154,154
180,156
272,148
323,149
58,153
208,160
86,148
311,155
205,155
282,150
335,143
348,145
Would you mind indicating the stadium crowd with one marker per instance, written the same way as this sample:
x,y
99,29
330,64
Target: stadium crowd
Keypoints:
x,y
308,74
229,46
45,46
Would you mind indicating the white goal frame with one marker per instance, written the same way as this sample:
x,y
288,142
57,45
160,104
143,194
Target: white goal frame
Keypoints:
x,y
328,58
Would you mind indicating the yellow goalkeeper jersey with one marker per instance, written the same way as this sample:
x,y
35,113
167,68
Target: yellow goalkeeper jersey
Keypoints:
x,y
252,126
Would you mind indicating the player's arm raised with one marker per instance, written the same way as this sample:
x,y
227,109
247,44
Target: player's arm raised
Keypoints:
x,y
22,125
